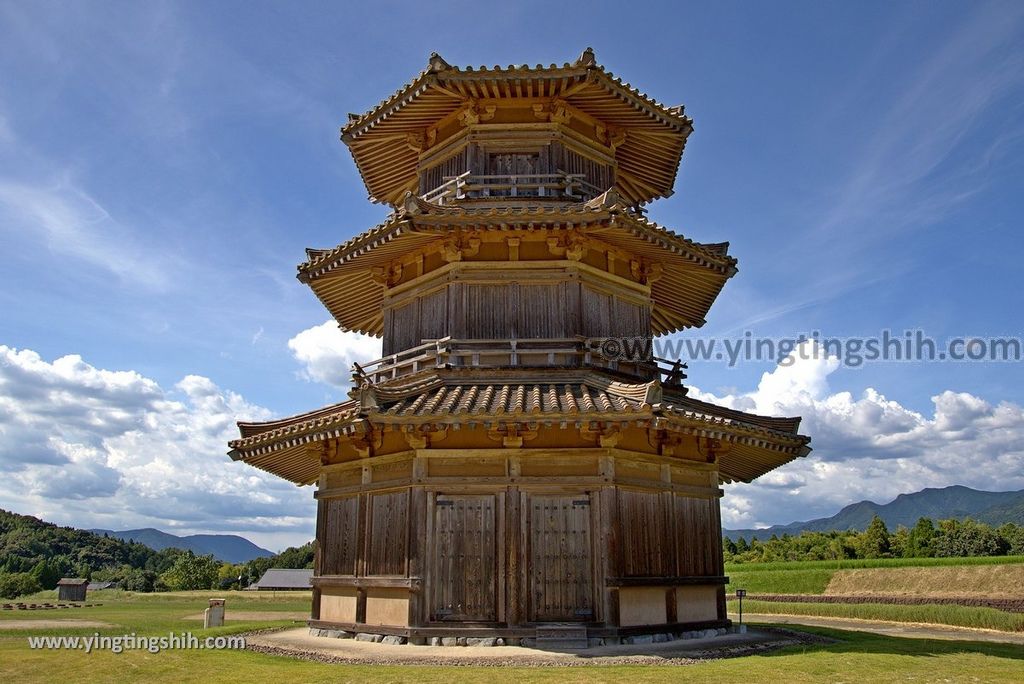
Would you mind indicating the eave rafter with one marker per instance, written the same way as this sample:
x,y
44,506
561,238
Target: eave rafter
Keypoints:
x,y
745,445
654,134
346,279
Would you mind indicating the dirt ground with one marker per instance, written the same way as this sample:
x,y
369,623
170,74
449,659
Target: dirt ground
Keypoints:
x,y
298,643
256,615
51,624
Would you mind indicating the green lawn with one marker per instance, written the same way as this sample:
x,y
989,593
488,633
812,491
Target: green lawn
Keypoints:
x,y
811,577
857,657
155,614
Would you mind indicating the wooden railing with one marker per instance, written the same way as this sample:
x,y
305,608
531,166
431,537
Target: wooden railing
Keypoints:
x,y
559,185
575,352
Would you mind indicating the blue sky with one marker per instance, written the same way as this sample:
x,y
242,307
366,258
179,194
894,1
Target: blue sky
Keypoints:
x,y
163,165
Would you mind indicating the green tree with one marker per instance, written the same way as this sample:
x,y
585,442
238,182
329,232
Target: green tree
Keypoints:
x,y
47,574
958,539
16,584
228,574
296,557
1013,534
874,541
162,561
922,540
191,572
899,542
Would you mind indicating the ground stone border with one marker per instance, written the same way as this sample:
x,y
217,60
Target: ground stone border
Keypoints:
x,y
785,637
45,606
527,642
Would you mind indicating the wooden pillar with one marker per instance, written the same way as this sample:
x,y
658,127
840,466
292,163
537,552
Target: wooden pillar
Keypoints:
x,y
609,557
363,541
360,605
417,551
514,562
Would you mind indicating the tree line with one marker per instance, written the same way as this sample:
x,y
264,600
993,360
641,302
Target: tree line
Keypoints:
x,y
926,539
34,555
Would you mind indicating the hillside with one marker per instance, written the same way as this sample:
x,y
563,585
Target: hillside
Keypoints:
x,y
26,541
994,508
225,547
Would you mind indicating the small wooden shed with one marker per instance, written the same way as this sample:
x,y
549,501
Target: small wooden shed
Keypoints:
x,y
72,589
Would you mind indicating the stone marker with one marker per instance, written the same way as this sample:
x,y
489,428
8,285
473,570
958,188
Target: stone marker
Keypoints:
x,y
214,615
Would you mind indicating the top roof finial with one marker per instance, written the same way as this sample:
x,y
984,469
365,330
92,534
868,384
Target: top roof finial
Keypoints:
x,y
437,63
587,58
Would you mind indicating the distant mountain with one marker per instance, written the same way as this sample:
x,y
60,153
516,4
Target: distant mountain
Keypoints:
x,y
224,547
994,508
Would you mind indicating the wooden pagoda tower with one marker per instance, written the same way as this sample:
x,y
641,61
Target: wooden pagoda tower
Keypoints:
x,y
499,473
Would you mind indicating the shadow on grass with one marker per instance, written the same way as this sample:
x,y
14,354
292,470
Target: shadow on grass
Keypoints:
x,y
854,642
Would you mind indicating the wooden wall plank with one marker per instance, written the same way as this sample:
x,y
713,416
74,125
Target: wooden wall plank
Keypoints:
x,y
644,527
340,538
387,533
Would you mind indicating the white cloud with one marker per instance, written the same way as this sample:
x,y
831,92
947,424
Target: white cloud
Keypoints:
x,y
327,353
90,447
870,447
70,222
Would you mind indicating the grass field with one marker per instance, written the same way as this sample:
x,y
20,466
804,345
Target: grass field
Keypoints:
x,y
857,657
813,577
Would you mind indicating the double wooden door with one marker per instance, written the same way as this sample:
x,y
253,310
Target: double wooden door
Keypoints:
x,y
560,571
465,578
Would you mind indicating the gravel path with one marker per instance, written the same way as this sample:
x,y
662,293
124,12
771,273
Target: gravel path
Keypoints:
x,y
299,644
51,624
256,615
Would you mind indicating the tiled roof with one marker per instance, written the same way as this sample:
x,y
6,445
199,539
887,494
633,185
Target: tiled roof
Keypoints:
x,y
572,399
648,158
342,277
406,220
278,578
456,402
325,418
706,410
671,114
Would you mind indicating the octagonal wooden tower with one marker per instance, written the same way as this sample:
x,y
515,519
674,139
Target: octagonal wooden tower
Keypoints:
x,y
504,470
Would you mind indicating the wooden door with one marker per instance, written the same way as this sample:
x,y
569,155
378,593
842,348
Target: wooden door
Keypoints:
x,y
464,561
561,585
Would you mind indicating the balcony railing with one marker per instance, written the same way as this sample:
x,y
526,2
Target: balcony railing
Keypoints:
x,y
575,352
561,185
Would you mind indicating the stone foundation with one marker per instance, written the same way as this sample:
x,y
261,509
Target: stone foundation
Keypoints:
x,y
526,642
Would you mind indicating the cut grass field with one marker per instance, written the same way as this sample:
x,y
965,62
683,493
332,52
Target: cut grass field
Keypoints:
x,y
958,616
977,581
855,657
814,577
